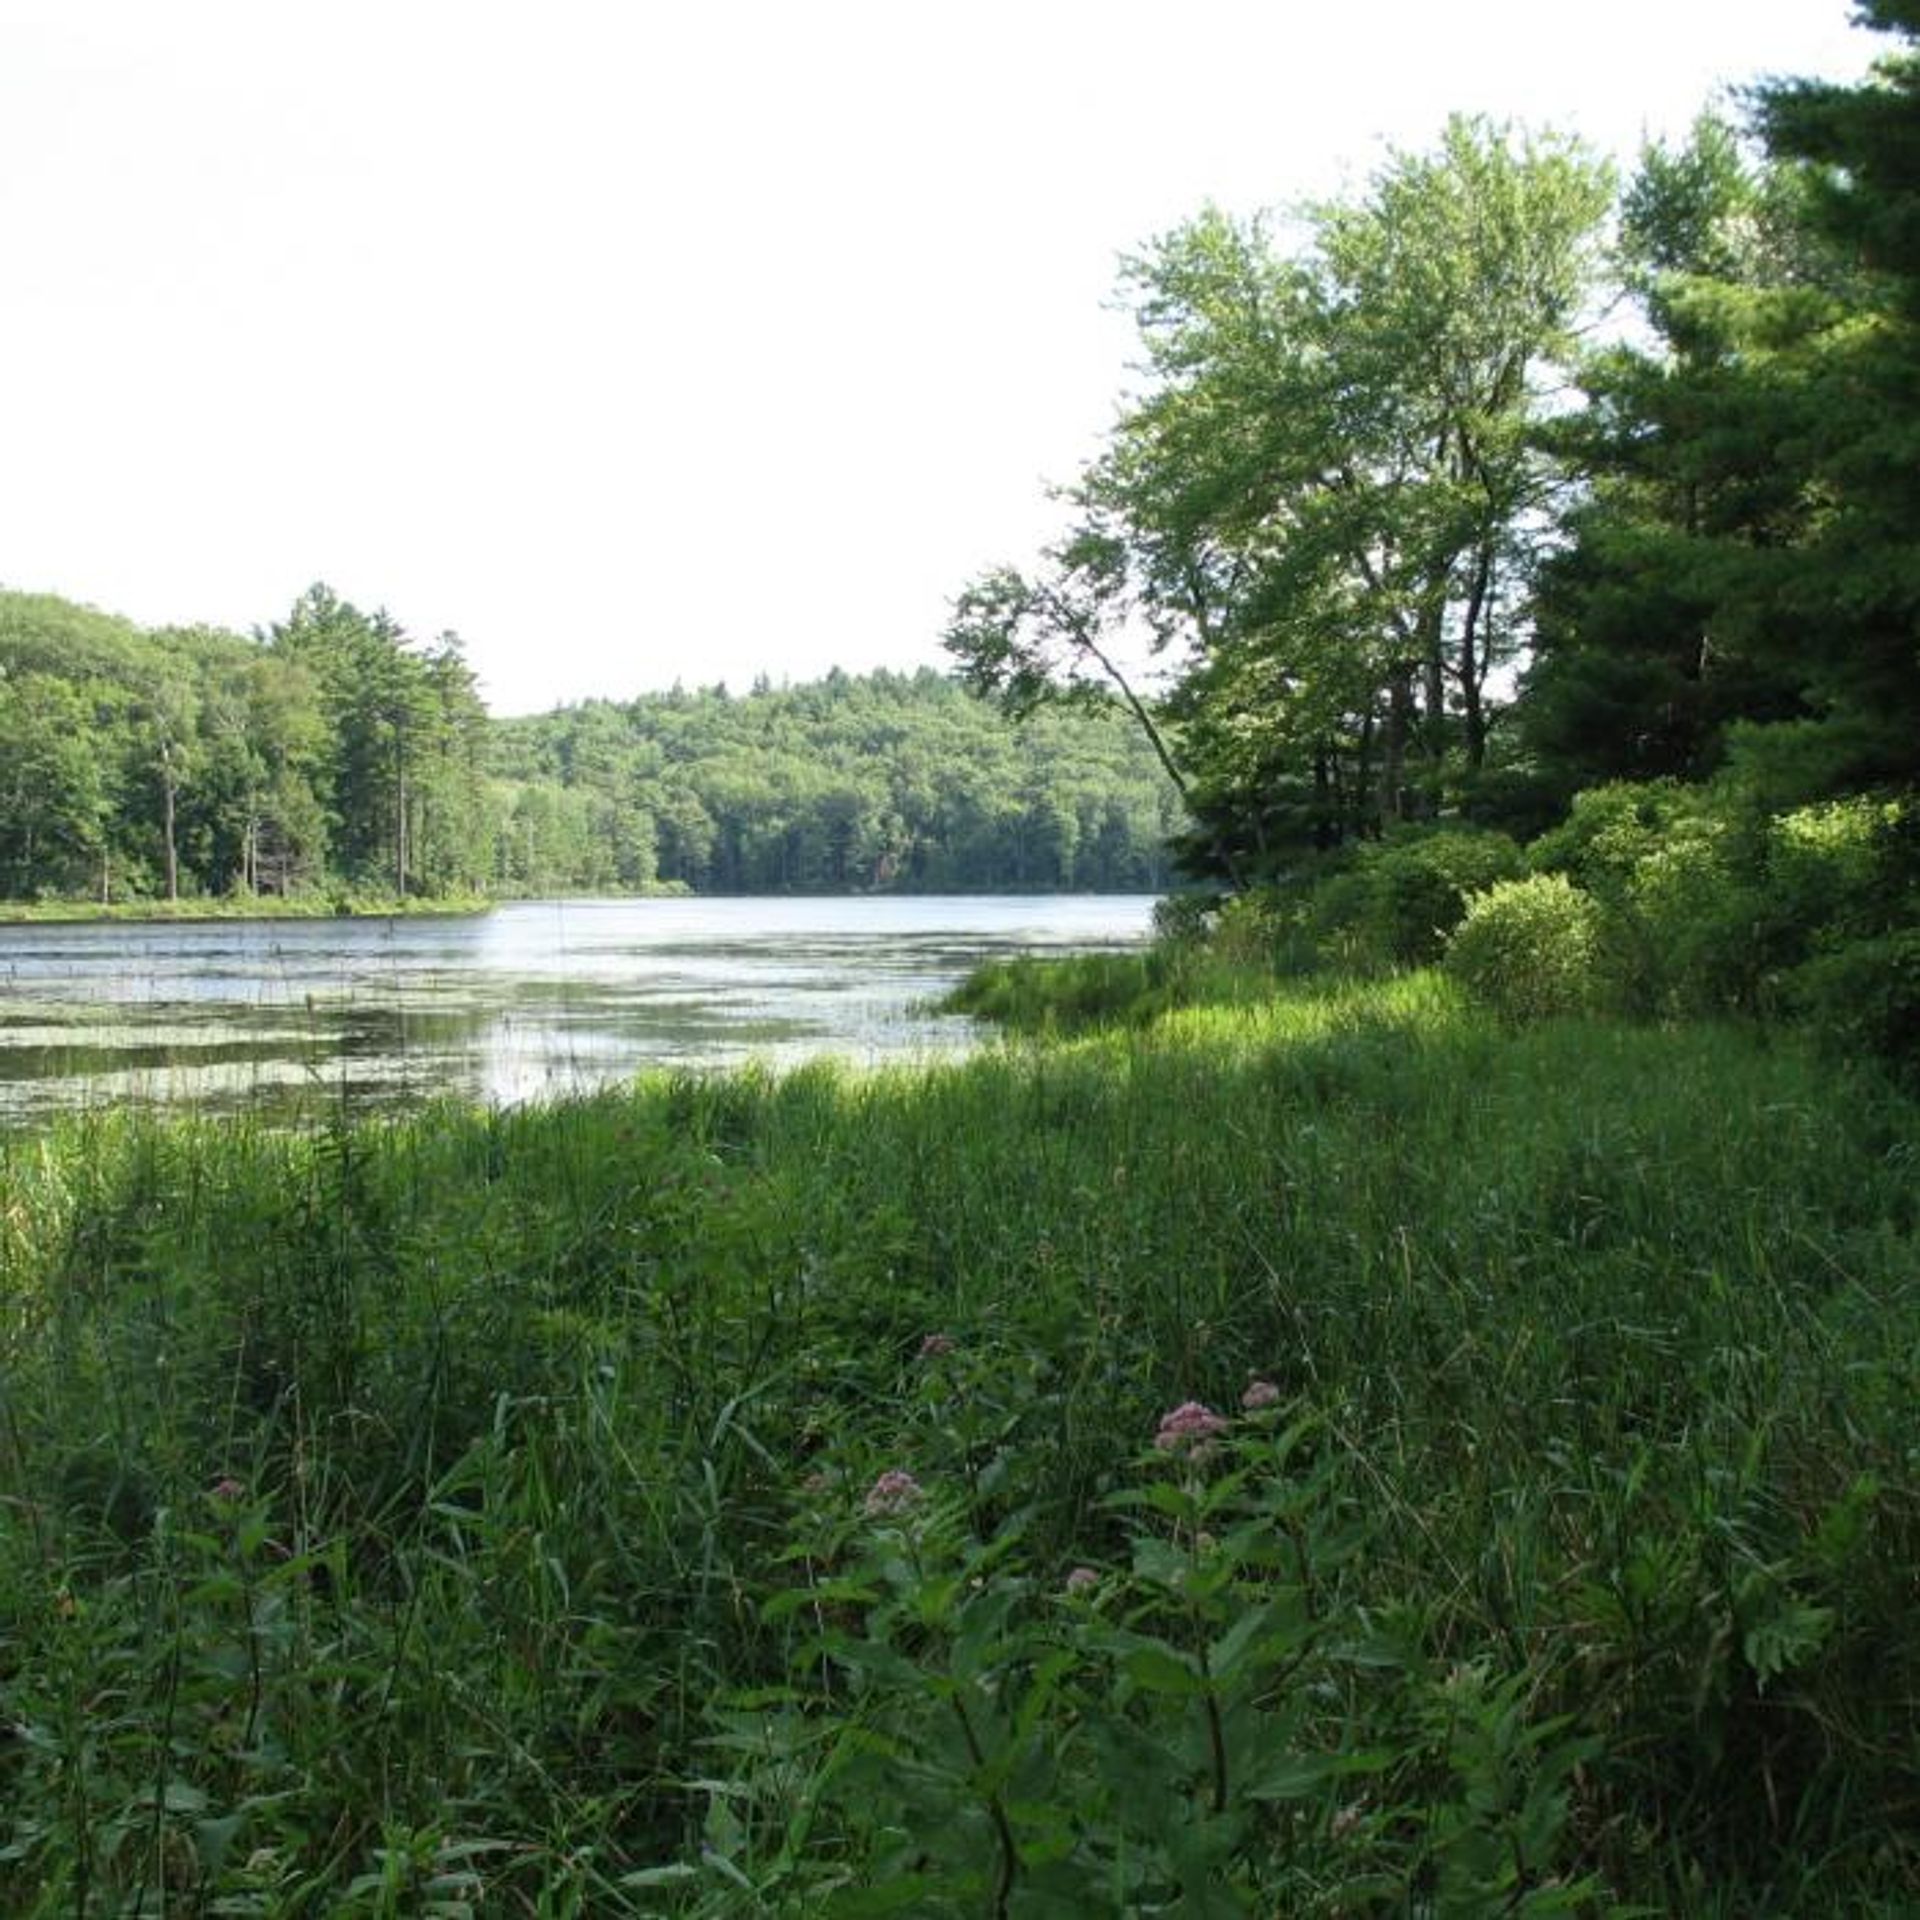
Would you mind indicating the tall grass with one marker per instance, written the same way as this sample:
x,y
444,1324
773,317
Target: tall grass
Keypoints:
x,y
473,1514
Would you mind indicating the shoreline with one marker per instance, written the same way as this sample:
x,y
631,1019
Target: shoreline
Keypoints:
x,y
67,913
23,913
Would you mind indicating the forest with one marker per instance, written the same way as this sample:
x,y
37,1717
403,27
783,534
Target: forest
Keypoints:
x,y
332,756
1507,505
1499,497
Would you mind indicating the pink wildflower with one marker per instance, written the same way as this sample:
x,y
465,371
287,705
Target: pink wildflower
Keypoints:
x,y
228,1488
893,1493
1259,1393
1188,1428
1082,1579
935,1344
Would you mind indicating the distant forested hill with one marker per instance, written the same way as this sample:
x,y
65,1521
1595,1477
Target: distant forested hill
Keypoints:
x,y
334,752
880,780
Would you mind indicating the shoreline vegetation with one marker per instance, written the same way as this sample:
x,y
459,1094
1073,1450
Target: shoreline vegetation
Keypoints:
x,y
229,907
334,757
1396,1400
1313,1443
382,906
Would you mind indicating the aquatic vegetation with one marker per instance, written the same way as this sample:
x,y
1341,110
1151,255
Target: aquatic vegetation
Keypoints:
x,y
741,1494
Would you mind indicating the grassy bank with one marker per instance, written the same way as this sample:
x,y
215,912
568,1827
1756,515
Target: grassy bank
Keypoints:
x,y
303,906
757,1495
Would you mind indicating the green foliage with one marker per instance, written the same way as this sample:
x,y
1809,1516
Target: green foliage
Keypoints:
x,y
1745,552
1834,869
1034,996
1387,903
334,754
1863,996
1610,830
858,783
1712,902
477,1510
1531,949
405,748
1326,498
1340,501
1195,1725
1401,897
187,763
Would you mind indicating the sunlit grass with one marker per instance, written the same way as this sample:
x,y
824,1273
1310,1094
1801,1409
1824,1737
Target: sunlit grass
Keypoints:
x,y
336,904
385,1510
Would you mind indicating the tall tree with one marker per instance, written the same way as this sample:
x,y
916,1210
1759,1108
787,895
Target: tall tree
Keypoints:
x,y
388,721
1861,581
1656,625
54,793
170,725
1750,548
1327,504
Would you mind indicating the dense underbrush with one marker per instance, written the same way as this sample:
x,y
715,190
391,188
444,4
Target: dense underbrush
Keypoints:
x,y
1330,1454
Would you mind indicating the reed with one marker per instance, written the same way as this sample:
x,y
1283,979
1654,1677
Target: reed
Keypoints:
x,y
490,1512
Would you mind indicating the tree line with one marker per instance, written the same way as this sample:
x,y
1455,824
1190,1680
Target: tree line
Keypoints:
x,y
1504,479
334,754
853,783
1496,486
331,751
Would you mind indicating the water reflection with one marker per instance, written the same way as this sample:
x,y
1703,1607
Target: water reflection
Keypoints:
x,y
534,999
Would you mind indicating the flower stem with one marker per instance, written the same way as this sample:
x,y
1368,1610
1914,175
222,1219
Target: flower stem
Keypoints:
x,y
1009,1857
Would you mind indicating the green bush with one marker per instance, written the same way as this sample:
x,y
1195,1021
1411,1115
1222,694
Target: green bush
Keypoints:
x,y
1185,918
1828,866
1266,929
1400,898
1610,830
1691,930
1531,948
1864,997
1710,902
1421,885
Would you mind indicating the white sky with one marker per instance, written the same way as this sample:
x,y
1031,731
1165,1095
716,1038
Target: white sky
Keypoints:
x,y
650,342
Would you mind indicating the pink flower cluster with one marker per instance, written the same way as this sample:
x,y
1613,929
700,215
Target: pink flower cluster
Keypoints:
x,y
1188,1428
1082,1580
892,1494
1260,1393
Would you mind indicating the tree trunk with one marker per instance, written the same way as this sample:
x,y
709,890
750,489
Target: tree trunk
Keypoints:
x,y
1472,670
1393,770
1322,801
1433,722
400,836
168,798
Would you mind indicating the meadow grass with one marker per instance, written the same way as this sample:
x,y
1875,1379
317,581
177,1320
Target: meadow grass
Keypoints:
x,y
486,1513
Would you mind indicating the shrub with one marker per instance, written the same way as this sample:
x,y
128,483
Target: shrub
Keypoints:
x,y
1531,948
1690,922
1266,929
1185,918
1421,885
1864,997
1609,832
1828,865
1690,928
1401,897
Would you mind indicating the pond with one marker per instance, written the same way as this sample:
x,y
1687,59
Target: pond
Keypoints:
x,y
534,999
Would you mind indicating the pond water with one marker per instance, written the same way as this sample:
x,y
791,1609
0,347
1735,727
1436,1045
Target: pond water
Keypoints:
x,y
534,999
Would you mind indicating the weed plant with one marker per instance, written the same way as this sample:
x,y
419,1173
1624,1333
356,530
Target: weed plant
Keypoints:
x,y
1332,1453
